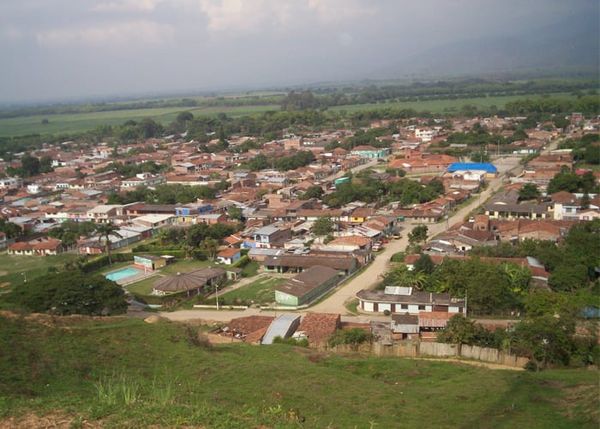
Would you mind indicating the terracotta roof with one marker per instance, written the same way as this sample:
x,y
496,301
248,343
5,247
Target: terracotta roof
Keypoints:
x,y
319,327
228,253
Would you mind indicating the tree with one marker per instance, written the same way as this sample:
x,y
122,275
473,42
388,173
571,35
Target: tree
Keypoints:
x,y
71,292
418,234
30,165
185,117
529,191
322,226
210,247
105,230
545,340
424,264
312,192
235,213
459,330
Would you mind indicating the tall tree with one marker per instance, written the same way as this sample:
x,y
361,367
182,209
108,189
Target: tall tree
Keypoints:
x,y
105,230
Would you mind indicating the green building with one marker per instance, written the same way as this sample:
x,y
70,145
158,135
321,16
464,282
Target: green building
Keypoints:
x,y
307,286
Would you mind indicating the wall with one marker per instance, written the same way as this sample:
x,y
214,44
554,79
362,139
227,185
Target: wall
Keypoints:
x,y
426,349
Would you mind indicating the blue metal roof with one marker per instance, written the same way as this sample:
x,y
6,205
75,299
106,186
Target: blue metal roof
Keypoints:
x,y
485,166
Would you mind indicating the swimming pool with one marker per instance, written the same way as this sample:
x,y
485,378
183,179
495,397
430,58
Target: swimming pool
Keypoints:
x,y
123,273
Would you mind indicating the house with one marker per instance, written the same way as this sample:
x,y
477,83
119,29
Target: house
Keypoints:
x,y
229,256
307,286
271,236
155,221
490,169
345,264
211,218
283,326
149,262
397,299
37,247
103,213
507,205
250,329
192,283
370,152
405,326
317,328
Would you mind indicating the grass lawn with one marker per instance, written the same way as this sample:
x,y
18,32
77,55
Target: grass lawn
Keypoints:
x,y
126,373
185,266
144,287
12,266
261,291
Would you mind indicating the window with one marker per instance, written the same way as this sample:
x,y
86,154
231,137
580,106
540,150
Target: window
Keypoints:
x,y
404,306
421,307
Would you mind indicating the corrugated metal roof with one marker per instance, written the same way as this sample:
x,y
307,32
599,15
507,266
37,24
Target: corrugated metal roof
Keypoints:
x,y
281,327
470,166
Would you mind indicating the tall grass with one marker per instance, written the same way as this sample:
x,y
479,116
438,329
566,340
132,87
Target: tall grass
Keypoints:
x,y
118,389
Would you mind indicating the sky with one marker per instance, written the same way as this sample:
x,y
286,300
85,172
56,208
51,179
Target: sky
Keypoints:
x,y
68,49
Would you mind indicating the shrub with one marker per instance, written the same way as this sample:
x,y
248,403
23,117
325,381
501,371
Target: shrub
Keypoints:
x,y
71,292
354,337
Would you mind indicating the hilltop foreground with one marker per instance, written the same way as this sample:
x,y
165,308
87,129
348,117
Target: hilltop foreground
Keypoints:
x,y
122,372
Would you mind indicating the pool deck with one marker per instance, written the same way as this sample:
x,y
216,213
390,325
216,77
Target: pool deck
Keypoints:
x,y
134,278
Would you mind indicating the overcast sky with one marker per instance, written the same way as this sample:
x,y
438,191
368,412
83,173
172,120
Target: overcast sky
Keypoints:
x,y
57,49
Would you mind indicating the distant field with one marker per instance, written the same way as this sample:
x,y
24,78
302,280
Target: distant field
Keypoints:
x,y
124,373
444,106
73,123
261,291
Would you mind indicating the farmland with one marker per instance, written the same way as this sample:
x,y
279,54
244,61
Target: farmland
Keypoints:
x,y
120,372
80,122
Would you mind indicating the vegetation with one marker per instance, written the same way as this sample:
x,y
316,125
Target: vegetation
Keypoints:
x,y
164,194
322,226
122,373
569,181
261,291
418,235
70,292
364,187
529,191
586,149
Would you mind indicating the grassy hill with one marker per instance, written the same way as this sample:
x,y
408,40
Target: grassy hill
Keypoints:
x,y
124,373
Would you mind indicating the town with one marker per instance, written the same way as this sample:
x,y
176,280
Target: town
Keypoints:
x,y
299,214
315,222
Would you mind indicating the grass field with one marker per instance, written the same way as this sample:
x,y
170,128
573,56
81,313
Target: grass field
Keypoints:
x,y
261,291
445,106
127,374
14,269
72,123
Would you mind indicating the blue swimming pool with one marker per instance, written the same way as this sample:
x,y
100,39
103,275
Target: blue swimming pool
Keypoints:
x,y
123,273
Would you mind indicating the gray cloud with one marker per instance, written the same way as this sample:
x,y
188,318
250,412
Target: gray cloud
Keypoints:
x,y
55,49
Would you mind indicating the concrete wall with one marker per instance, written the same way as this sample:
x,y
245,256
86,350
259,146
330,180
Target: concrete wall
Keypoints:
x,y
426,349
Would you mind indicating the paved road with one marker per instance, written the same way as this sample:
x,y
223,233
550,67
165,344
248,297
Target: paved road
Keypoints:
x,y
381,264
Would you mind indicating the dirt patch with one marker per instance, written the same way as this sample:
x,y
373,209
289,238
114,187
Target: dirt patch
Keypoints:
x,y
4,284
49,421
3,272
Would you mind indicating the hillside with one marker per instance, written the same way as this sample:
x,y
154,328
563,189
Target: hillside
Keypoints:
x,y
125,373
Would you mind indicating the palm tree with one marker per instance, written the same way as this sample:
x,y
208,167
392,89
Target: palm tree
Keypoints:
x,y
105,230
210,247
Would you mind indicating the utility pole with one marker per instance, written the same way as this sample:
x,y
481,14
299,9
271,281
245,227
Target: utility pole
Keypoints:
x,y
217,294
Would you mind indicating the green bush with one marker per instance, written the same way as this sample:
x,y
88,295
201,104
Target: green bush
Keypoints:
x,y
398,257
354,337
